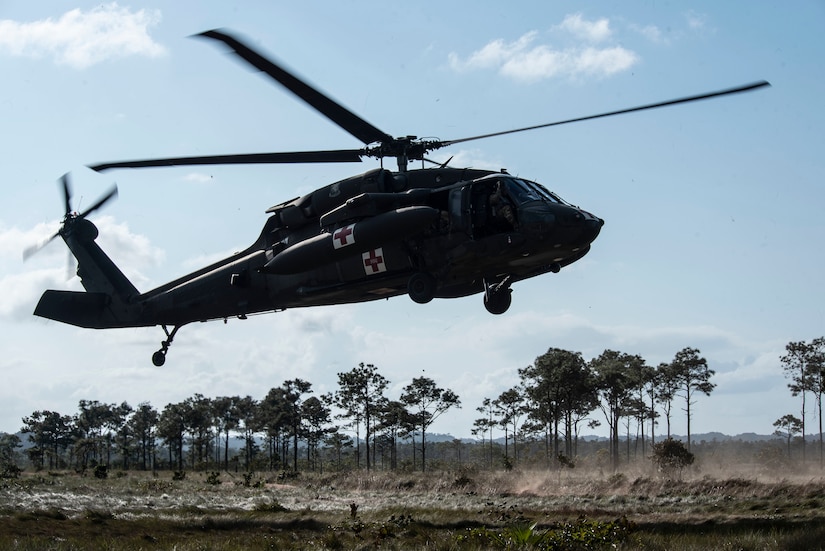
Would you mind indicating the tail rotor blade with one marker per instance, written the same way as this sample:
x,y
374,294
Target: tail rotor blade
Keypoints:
x,y
67,193
28,252
111,194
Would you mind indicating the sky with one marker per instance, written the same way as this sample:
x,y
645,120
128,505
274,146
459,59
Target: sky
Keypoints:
x,y
713,228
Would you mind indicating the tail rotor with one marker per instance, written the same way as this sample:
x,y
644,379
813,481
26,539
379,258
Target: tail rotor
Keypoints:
x,y
70,218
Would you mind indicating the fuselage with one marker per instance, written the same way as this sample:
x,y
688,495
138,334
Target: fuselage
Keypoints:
x,y
356,240
471,230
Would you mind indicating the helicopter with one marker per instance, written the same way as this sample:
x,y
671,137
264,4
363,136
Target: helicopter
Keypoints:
x,y
430,232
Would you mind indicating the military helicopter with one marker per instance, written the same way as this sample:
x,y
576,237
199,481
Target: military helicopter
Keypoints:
x,y
433,232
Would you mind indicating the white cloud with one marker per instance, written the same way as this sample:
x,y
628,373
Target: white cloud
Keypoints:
x,y
80,39
696,21
543,62
134,252
524,60
651,32
590,31
14,240
493,54
21,291
694,24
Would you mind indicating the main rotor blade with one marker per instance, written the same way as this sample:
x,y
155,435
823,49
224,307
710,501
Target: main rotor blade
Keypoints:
x,y
328,107
725,92
333,156
112,193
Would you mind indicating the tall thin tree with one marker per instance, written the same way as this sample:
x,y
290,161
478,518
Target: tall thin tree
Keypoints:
x,y
143,425
795,367
428,402
693,375
511,405
361,396
613,381
816,368
667,385
225,415
487,423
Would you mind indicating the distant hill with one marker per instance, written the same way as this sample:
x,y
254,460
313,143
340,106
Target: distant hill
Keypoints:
x,y
705,436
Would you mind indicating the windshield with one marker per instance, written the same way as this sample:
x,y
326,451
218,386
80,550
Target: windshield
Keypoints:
x,y
520,191
548,195
523,191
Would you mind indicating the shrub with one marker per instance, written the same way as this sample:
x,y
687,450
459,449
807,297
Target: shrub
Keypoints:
x,y
10,470
272,506
462,480
285,476
671,456
565,461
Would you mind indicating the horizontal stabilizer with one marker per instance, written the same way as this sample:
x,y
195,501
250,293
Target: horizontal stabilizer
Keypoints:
x,y
75,308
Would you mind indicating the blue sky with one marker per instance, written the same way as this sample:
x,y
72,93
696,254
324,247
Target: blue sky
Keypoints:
x,y
713,228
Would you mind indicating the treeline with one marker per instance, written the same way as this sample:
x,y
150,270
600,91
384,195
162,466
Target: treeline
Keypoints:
x,y
358,426
539,419
537,422
273,431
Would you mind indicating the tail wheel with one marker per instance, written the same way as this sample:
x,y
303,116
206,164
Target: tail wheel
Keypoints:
x,y
159,357
421,287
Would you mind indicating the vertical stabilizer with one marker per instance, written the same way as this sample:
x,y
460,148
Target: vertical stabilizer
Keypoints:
x,y
109,300
96,271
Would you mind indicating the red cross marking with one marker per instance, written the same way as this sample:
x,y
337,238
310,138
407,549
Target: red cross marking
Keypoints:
x,y
343,236
374,262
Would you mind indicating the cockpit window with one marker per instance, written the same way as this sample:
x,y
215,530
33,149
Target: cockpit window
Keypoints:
x,y
548,195
523,191
520,191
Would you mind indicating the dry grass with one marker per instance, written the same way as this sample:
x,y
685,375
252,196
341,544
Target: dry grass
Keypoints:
x,y
405,510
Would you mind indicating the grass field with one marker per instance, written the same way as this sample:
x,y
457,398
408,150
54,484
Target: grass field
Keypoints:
x,y
445,510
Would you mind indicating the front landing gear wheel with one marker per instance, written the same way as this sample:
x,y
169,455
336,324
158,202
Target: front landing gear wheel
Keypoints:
x,y
498,302
421,287
497,296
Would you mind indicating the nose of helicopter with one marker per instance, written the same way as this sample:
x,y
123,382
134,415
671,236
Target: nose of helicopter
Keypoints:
x,y
562,225
591,226
587,227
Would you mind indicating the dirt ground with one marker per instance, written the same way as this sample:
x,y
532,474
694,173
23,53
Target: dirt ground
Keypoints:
x,y
150,511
